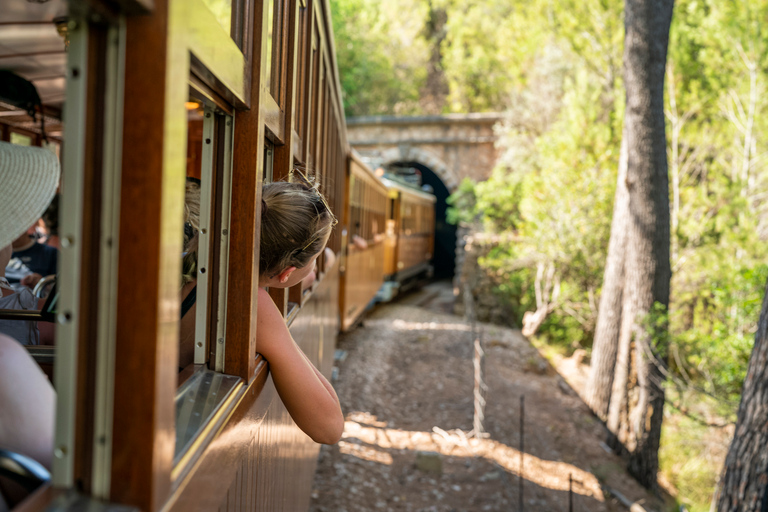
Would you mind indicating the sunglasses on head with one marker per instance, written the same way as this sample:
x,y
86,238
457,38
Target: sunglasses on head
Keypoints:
x,y
296,176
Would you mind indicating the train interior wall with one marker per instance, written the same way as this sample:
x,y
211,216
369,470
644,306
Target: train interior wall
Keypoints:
x,y
444,259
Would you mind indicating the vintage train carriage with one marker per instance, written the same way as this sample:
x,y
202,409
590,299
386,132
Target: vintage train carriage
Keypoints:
x,y
410,237
362,263
232,93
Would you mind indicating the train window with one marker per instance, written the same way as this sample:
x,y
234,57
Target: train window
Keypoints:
x,y
303,68
275,41
202,329
21,139
206,218
269,162
269,41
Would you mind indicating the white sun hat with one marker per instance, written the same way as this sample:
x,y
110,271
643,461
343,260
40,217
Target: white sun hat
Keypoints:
x,y
29,177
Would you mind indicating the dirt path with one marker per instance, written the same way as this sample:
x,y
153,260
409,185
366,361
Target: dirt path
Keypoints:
x,y
406,388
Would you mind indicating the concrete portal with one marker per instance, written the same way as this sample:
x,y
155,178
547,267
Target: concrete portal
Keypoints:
x,y
444,150
453,146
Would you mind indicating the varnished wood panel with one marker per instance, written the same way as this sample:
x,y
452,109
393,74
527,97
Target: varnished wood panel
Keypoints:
x,y
363,277
247,172
143,436
414,225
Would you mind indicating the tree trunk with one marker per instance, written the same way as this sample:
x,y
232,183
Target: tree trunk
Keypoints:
x,y
435,90
618,411
744,486
646,270
604,346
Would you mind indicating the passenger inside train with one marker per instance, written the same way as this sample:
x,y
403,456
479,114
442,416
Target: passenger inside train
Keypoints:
x,y
23,331
30,177
296,223
35,253
32,260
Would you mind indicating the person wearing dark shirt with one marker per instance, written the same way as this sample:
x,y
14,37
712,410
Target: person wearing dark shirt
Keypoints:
x,y
31,257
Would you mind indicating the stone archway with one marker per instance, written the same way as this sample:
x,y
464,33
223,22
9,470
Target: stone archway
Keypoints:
x,y
443,185
407,153
451,147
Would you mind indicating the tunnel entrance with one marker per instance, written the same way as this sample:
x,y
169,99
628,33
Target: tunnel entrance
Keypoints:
x,y
444,260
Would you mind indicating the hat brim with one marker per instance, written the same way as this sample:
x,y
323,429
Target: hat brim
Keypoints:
x,y
29,177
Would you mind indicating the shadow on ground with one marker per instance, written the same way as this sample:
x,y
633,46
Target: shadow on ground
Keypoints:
x,y
406,386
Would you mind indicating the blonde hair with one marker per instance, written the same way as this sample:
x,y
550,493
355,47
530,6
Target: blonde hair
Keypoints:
x,y
295,225
191,230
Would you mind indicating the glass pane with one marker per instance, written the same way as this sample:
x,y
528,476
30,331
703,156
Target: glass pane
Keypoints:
x,y
192,225
222,10
196,402
276,38
269,160
270,35
21,140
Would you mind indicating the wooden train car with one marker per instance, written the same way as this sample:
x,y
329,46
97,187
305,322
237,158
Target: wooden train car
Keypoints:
x,y
232,94
362,261
410,237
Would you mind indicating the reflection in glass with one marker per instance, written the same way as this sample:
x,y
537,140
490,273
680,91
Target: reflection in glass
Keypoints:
x,y
222,11
270,35
191,229
196,402
21,140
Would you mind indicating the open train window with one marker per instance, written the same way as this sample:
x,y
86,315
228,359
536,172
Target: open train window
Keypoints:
x,y
269,162
205,246
204,269
21,139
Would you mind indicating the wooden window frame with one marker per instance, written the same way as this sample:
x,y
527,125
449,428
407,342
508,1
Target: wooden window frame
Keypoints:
x,y
181,40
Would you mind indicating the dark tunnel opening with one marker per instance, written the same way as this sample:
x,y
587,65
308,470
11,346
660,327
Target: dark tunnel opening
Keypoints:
x,y
444,260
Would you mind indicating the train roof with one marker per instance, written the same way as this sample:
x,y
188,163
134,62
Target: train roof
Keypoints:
x,y
402,187
364,167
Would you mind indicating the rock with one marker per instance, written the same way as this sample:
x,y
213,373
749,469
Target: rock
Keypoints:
x,y
429,462
340,355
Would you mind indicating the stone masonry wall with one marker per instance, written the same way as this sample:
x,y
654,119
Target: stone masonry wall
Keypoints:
x,y
452,146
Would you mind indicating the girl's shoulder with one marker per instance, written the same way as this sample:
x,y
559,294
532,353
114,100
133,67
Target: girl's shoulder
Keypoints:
x,y
266,308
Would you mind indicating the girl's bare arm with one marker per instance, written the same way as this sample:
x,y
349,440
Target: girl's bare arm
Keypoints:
x,y
308,396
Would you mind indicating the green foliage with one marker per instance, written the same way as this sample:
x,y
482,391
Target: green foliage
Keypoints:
x,y
484,52
550,197
381,55
687,460
714,325
462,204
